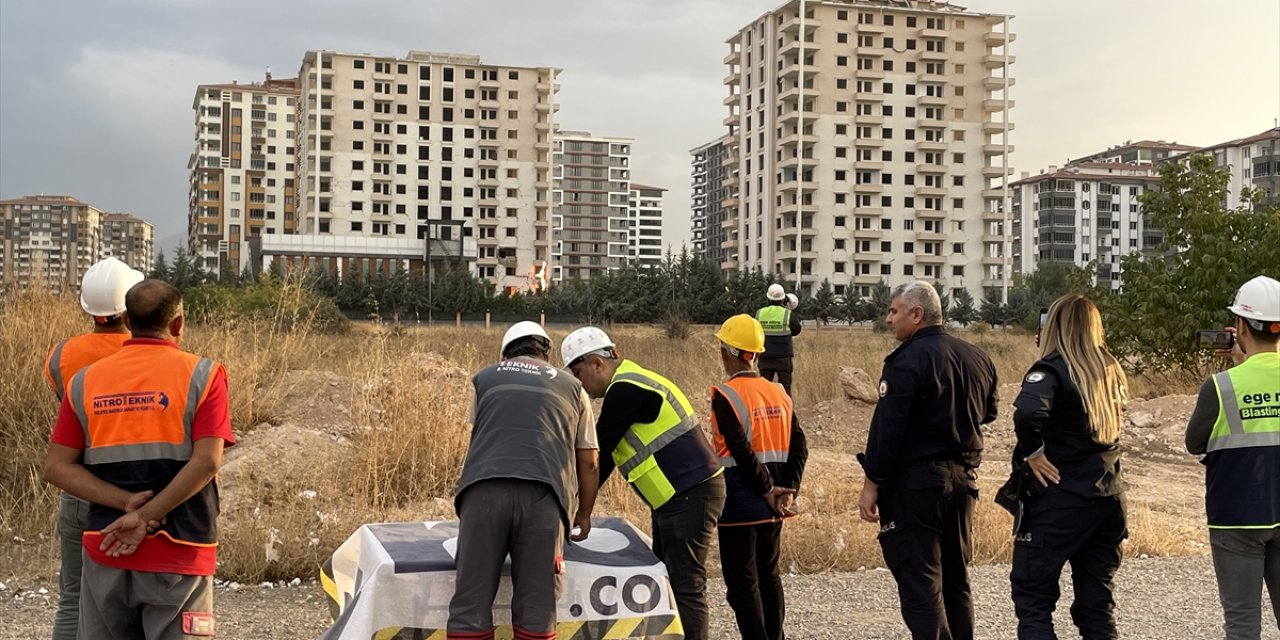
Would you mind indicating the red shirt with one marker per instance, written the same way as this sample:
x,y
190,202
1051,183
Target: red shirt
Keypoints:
x,y
158,553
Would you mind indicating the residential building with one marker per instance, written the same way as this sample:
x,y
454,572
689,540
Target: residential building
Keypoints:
x,y
1254,162
869,141
592,194
130,240
1084,212
48,241
644,225
710,188
241,171
428,147
1141,152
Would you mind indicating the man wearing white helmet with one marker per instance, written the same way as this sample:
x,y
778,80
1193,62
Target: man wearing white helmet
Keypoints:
x,y
1236,425
780,324
652,435
530,470
102,297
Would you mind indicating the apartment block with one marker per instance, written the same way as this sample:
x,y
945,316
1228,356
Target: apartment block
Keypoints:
x,y
446,158
1085,211
644,222
869,141
128,239
592,194
1254,162
710,189
241,183
48,241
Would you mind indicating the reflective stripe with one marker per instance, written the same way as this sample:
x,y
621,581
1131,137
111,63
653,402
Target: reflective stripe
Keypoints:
x,y
77,403
55,369
1230,405
1243,440
654,385
774,325
136,452
739,408
200,377
645,451
764,457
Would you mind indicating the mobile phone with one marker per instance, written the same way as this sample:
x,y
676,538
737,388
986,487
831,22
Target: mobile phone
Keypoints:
x,y
1215,339
1044,316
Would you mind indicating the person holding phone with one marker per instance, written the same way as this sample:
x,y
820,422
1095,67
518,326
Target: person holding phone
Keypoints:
x,y
1067,420
1236,425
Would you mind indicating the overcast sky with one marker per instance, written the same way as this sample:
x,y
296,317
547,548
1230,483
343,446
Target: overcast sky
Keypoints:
x,y
95,97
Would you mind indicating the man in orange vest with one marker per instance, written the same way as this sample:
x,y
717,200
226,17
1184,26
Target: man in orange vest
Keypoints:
x,y
763,451
148,420
102,293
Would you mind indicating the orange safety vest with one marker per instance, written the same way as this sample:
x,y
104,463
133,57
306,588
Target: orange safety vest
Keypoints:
x,y
763,409
68,357
137,409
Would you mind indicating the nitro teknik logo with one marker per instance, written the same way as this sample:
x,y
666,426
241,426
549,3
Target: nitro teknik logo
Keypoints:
x,y
130,402
528,367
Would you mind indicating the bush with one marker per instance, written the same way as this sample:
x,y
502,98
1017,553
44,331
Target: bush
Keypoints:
x,y
980,328
676,326
285,304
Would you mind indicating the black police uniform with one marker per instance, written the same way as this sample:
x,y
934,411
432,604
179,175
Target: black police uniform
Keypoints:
x,y
776,362
1079,520
924,447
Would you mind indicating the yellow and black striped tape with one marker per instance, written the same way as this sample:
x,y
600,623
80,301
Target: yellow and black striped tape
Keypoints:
x,y
665,627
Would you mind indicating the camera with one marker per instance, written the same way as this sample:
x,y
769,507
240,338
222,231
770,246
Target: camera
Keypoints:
x,y
1215,339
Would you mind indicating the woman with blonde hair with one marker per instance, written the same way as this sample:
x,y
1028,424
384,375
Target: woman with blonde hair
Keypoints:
x,y
1070,508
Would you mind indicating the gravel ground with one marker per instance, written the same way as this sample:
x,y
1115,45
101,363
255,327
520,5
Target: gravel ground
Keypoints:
x,y
1160,598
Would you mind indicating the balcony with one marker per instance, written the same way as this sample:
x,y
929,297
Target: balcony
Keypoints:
x,y
996,172
995,149
999,38
931,101
931,145
867,279
731,120
993,216
931,236
732,99
993,282
931,214
996,194
870,97
794,47
733,57
999,104
869,142
729,264
933,77
793,69
869,52
987,237
940,34
930,191
998,83
933,56
868,165
995,61
931,168
868,187
992,260
997,127
734,77
868,119
795,185
869,74
794,231
792,138
796,207
868,234
729,203
870,28
930,258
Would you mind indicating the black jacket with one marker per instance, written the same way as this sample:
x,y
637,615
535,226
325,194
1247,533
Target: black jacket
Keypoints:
x,y
1049,413
936,391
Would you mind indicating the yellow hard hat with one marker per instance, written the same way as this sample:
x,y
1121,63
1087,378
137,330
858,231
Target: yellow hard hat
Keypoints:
x,y
742,332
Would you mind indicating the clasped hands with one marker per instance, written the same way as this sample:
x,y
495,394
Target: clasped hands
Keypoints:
x,y
782,501
122,537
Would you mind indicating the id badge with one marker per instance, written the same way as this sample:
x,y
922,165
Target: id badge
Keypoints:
x,y
198,623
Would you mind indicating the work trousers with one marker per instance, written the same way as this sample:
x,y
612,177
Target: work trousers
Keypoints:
x,y
1055,529
926,522
749,556
777,369
497,517
1243,559
682,530
73,516
117,604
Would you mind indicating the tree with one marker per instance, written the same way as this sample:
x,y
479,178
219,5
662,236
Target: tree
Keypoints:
x,y
823,303
185,273
993,311
1206,253
962,309
159,268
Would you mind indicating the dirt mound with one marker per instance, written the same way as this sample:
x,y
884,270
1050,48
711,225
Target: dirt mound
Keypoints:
x,y
319,400
274,461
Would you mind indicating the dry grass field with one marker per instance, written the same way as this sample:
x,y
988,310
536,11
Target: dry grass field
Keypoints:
x,y
306,490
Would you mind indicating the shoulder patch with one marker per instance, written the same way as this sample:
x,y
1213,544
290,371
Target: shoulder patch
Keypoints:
x,y
1034,377
884,388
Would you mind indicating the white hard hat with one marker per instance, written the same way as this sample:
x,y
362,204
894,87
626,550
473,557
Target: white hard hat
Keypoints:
x,y
776,292
792,301
103,287
582,342
1258,300
522,329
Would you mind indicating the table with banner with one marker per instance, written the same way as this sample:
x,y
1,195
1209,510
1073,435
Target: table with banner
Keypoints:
x,y
394,581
